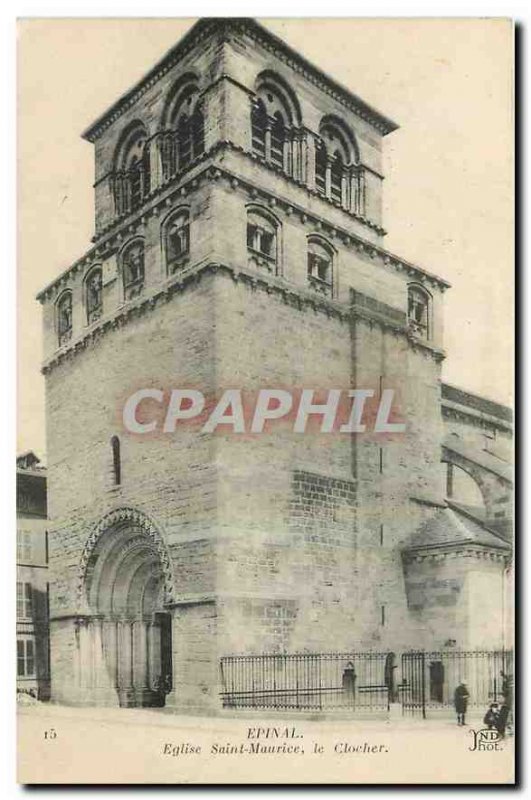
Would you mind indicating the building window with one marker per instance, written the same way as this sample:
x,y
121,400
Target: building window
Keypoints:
x,y
321,163
177,240
262,240
197,123
25,658
258,128
24,547
133,269
336,178
94,295
337,171
278,135
116,461
320,266
184,140
24,600
132,174
64,318
418,311
276,124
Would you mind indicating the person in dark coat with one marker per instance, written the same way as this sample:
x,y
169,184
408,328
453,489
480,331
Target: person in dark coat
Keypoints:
x,y
501,722
461,696
507,688
491,717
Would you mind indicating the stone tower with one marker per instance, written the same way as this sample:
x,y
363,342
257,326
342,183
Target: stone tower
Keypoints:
x,y
238,244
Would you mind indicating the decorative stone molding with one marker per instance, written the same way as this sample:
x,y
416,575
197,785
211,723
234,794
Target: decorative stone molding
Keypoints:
x,y
206,27
110,239
465,550
295,296
148,529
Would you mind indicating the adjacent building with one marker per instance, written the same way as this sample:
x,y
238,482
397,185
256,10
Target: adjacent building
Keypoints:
x,y
33,655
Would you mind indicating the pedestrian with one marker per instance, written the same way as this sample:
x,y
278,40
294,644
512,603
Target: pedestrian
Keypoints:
x,y
501,721
491,717
507,688
461,696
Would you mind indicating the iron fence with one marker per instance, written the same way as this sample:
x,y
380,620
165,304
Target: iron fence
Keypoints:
x,y
429,679
308,681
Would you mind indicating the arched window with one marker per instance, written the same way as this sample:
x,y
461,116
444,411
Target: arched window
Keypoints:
x,y
275,122
94,295
183,122
64,318
133,268
176,233
132,174
419,311
320,266
336,159
262,240
116,461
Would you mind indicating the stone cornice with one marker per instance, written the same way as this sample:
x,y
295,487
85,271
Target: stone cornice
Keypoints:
x,y
457,550
206,27
314,75
293,295
453,410
196,34
206,168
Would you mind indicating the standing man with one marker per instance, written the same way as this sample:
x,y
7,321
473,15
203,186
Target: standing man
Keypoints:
x,y
461,696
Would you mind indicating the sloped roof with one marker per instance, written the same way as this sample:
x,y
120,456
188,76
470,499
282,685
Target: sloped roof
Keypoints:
x,y
208,25
451,527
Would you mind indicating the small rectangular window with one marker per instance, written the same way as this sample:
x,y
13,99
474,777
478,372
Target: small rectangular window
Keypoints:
x,y
24,549
30,658
20,600
28,599
25,658
21,660
24,600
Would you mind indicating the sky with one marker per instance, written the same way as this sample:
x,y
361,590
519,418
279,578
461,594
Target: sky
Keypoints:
x,y
448,193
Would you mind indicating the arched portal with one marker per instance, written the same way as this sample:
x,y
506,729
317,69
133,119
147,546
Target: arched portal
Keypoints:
x,y
125,589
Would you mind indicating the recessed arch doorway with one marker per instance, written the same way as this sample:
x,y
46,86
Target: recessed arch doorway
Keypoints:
x,y
125,590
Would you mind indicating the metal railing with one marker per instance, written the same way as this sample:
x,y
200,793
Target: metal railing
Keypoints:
x,y
429,679
306,681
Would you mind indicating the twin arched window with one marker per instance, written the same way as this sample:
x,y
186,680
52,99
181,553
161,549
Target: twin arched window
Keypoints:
x,y
419,311
64,318
132,263
275,120
132,173
183,140
336,158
